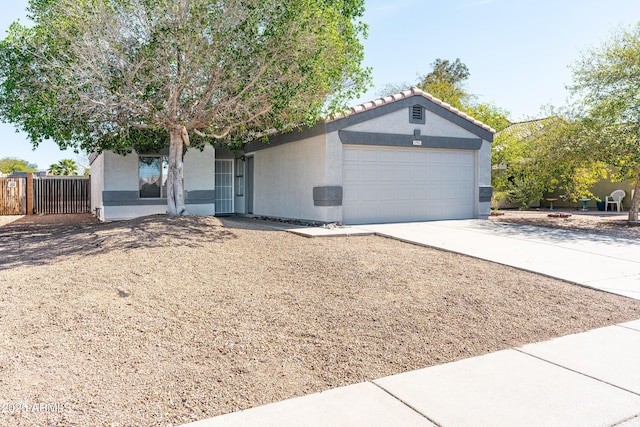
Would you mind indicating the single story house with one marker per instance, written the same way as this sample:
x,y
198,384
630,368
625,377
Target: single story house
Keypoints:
x,y
404,157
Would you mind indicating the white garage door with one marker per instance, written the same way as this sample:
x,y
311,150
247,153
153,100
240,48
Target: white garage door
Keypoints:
x,y
403,184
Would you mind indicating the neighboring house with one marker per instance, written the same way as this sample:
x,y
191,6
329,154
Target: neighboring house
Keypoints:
x,y
405,157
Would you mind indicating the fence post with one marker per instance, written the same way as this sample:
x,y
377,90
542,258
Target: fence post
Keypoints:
x,y
30,193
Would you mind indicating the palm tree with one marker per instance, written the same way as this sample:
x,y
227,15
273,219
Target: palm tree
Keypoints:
x,y
64,167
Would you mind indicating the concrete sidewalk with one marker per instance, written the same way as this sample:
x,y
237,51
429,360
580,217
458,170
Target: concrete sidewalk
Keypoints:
x,y
587,379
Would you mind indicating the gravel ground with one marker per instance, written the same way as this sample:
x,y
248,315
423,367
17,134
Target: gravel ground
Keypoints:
x,y
609,224
159,321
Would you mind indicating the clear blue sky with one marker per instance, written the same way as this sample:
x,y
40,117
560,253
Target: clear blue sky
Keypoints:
x,y
518,51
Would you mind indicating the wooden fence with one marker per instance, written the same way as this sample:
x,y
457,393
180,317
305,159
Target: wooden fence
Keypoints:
x,y
45,195
13,196
61,195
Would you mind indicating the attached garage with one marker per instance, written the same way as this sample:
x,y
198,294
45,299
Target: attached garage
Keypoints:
x,y
404,157
406,184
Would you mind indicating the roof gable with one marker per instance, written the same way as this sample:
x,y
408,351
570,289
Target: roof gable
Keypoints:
x,y
407,99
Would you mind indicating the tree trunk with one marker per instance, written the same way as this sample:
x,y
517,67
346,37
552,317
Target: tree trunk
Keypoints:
x,y
635,201
175,188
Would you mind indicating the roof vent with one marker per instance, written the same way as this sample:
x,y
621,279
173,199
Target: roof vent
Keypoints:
x,y
416,114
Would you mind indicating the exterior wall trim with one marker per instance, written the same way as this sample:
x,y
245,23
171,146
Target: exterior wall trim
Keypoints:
x,y
327,196
485,194
130,198
397,140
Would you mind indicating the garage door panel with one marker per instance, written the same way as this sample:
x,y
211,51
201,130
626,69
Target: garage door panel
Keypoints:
x,y
369,156
386,174
404,157
420,177
350,156
350,175
421,194
418,156
403,175
386,194
369,175
405,194
368,195
407,184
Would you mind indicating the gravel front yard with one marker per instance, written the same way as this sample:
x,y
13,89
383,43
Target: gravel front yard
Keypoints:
x,y
160,321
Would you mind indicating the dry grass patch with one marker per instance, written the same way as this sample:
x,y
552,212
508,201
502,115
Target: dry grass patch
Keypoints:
x,y
223,315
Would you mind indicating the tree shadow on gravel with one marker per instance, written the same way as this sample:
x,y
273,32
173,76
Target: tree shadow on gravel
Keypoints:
x,y
29,241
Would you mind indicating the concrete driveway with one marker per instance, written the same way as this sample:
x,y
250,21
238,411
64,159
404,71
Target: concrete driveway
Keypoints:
x,y
597,261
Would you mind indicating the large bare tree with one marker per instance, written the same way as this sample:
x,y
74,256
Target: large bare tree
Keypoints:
x,y
117,74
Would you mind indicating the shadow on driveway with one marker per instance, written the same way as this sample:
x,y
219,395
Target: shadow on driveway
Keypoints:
x,y
546,234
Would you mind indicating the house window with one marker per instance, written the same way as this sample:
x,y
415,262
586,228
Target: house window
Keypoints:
x,y
239,177
416,115
152,175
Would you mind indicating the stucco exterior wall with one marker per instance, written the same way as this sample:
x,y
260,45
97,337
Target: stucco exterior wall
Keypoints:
x,y
333,171
97,186
117,173
121,175
120,172
483,165
199,172
119,188
284,177
199,180
117,213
